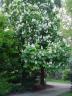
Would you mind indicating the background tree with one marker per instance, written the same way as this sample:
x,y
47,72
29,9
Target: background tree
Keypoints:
x,y
67,24
69,11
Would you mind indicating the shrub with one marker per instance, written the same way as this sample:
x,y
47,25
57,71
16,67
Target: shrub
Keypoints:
x,y
5,88
66,74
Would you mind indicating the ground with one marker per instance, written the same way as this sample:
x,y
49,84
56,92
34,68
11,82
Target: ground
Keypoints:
x,y
56,90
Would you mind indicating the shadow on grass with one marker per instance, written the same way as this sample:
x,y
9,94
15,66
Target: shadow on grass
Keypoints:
x,y
18,89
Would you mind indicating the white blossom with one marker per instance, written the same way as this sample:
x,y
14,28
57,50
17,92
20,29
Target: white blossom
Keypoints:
x,y
33,20
33,45
7,29
36,6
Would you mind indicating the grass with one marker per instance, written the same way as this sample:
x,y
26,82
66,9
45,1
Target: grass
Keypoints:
x,y
67,94
58,81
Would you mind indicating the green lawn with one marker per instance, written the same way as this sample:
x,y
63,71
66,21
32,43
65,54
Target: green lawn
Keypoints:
x,y
58,81
67,94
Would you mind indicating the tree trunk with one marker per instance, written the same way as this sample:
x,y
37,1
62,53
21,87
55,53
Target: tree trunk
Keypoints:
x,y
42,76
22,75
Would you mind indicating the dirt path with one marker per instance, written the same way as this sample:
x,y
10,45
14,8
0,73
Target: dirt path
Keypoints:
x,y
55,91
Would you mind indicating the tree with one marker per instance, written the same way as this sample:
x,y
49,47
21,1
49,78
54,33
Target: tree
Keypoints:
x,y
36,25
